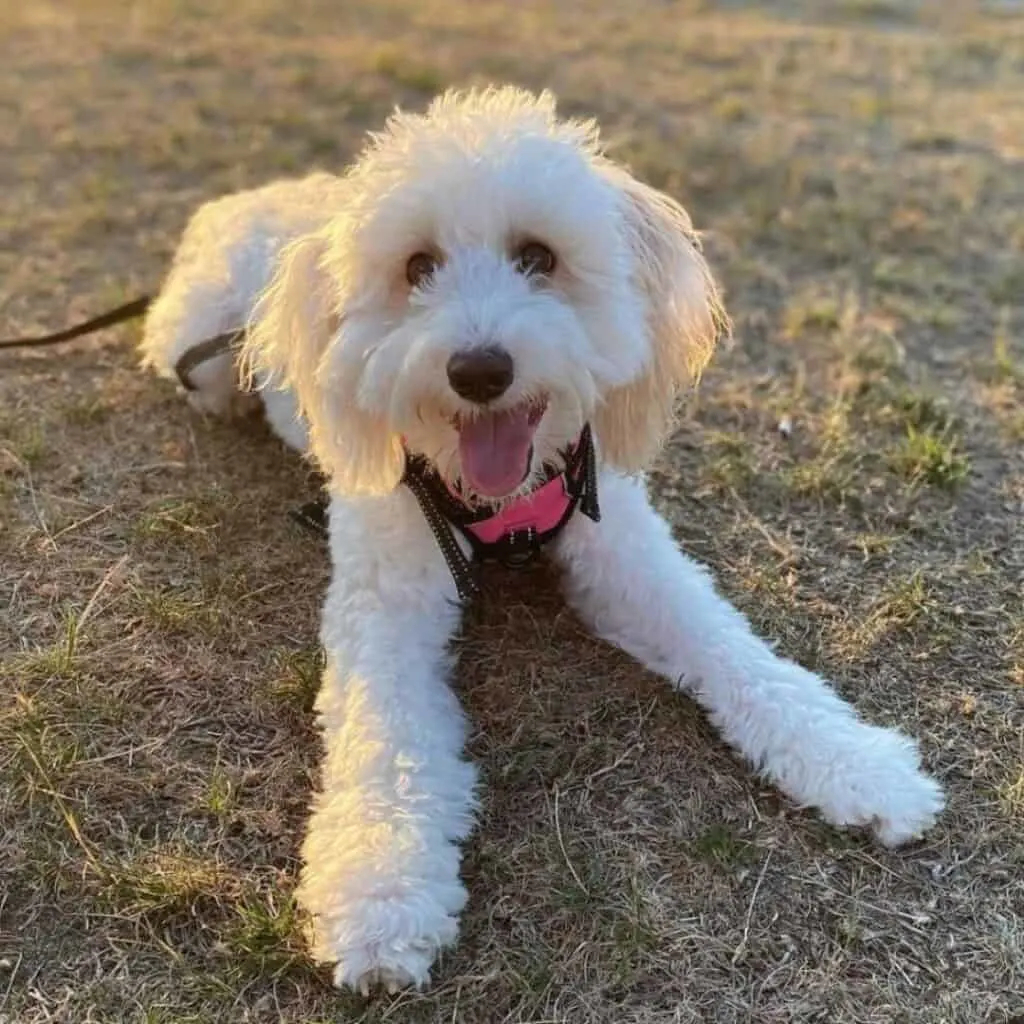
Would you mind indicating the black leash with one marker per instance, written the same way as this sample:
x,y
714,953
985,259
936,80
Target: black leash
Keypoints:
x,y
183,368
205,350
129,311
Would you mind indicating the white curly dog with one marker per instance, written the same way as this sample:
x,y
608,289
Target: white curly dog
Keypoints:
x,y
480,286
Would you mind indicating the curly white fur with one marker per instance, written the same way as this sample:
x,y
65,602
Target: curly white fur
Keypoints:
x,y
623,324
225,260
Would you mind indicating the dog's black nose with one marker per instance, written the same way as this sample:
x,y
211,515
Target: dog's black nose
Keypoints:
x,y
481,374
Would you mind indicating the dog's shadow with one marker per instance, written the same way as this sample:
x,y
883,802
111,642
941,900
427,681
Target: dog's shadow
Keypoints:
x,y
590,766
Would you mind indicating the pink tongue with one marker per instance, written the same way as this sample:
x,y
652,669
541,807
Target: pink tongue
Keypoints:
x,y
495,451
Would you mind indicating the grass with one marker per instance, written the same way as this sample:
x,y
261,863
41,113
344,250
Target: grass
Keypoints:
x,y
1012,794
295,678
930,457
813,313
87,410
264,937
406,70
720,846
192,518
903,603
855,166
167,609
26,443
1006,366
56,661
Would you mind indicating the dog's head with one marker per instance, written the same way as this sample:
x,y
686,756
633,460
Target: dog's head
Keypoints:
x,y
492,283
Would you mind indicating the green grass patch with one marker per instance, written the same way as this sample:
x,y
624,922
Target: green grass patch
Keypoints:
x,y
731,460
57,661
25,440
194,518
87,410
930,457
404,70
922,410
219,796
816,313
719,845
296,676
167,886
174,610
264,936
831,475
1005,365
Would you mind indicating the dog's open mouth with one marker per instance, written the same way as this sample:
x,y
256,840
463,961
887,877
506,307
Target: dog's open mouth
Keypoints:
x,y
495,448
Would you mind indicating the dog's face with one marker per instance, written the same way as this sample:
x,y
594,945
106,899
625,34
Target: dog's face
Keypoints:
x,y
492,284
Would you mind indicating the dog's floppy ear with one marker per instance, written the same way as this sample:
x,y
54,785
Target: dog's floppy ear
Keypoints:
x,y
296,336
685,318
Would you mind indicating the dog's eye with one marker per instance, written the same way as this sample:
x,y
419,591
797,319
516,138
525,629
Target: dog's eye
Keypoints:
x,y
420,268
535,258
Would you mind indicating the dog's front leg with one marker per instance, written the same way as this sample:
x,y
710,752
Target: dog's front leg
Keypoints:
x,y
629,581
381,861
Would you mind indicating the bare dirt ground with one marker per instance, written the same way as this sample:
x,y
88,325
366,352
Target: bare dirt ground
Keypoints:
x,y
859,169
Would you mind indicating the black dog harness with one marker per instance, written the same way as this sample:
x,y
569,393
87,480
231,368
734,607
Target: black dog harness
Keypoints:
x,y
512,534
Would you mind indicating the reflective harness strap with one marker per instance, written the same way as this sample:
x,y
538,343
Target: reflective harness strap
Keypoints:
x,y
459,566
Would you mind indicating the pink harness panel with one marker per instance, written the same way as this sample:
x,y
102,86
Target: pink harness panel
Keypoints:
x,y
540,510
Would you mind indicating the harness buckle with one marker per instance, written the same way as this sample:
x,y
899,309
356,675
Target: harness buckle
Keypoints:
x,y
519,548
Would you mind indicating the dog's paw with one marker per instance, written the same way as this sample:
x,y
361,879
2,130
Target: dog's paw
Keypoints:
x,y
413,972
875,779
384,943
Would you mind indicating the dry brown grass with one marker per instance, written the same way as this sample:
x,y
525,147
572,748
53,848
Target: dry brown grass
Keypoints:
x,y
858,166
